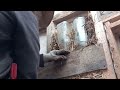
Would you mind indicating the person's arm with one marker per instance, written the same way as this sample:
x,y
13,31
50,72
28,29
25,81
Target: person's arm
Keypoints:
x,y
7,26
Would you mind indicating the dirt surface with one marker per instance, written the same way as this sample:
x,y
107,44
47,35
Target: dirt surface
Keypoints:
x,y
90,75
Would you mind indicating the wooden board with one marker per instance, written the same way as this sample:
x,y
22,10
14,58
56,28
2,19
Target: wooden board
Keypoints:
x,y
113,49
114,24
65,15
112,18
101,36
89,59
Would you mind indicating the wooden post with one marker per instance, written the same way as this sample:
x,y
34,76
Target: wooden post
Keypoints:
x,y
101,36
113,49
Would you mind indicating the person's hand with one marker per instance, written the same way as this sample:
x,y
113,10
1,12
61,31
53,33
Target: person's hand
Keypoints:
x,y
56,55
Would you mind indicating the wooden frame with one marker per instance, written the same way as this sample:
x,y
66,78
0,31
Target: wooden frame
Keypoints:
x,y
67,15
114,24
109,24
101,36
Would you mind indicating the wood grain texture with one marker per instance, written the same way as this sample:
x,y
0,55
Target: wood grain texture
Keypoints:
x,y
89,59
113,48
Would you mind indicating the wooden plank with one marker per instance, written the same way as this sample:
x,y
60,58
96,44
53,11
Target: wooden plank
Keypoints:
x,y
89,59
62,14
114,49
68,15
114,24
109,14
101,36
112,18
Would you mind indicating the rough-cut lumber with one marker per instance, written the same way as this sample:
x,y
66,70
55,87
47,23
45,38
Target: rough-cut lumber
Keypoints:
x,y
67,15
114,24
101,36
112,18
89,59
114,49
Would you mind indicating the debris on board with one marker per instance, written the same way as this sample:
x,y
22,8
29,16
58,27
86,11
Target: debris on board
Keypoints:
x,y
91,40
89,75
90,59
89,25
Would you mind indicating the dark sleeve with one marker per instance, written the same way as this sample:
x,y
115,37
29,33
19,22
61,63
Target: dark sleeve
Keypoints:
x,y
26,45
41,61
7,26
